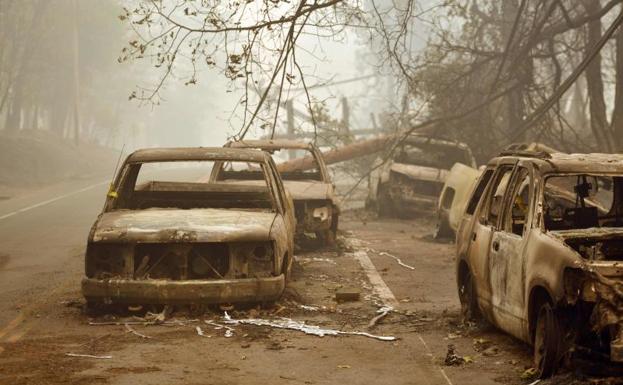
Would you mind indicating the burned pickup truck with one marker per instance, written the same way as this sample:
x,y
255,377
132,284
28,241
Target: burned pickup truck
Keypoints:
x,y
315,204
414,177
166,236
540,253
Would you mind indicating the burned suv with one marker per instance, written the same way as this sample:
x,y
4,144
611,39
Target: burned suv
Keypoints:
x,y
168,236
306,178
413,179
540,252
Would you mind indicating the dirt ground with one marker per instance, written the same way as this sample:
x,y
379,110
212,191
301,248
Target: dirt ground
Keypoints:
x,y
34,346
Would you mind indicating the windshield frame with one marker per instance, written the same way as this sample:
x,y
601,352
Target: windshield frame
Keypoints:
x,y
616,198
126,178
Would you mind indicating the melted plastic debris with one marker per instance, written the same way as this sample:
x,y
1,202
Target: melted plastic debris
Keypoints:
x,y
287,323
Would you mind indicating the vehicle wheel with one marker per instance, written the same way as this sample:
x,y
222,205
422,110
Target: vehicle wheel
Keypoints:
x,y
443,229
469,301
546,341
385,206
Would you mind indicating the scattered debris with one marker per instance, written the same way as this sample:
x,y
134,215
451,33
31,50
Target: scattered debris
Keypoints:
x,y
130,330
490,352
381,313
306,260
528,373
347,294
535,382
481,344
229,332
343,366
453,336
309,308
287,323
397,260
279,310
201,333
88,356
453,359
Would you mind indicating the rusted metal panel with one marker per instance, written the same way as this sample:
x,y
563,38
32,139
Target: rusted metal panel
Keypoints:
x,y
172,225
183,292
309,190
194,154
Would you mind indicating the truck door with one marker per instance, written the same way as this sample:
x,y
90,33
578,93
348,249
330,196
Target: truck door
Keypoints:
x,y
506,257
485,224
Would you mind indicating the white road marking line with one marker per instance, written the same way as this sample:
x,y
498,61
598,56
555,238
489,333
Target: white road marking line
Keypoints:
x,y
384,292
443,372
52,200
380,287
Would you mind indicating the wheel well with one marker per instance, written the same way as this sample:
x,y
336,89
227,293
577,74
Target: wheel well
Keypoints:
x,y
538,296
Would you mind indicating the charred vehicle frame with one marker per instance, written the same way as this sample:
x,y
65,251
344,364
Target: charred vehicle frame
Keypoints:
x,y
540,251
413,179
313,193
162,242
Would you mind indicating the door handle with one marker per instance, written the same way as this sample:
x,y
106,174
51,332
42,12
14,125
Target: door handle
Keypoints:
x,y
496,245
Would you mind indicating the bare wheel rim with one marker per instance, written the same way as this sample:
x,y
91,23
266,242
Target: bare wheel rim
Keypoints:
x,y
539,343
546,342
466,293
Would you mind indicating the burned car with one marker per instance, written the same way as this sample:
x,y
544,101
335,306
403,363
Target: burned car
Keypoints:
x,y
540,253
454,196
168,236
312,191
412,180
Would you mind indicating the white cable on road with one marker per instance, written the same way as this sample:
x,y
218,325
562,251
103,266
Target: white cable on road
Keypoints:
x,y
397,260
52,200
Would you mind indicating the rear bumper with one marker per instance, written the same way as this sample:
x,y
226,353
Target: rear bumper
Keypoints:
x,y
183,292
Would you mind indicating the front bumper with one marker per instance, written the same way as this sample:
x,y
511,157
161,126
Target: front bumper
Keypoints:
x,y
155,291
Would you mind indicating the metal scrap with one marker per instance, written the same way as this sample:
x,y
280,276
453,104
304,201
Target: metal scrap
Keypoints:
x,y
229,331
130,330
381,313
290,324
88,356
201,333
305,260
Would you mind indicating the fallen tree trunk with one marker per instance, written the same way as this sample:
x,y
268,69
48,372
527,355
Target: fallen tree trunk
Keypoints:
x,y
341,154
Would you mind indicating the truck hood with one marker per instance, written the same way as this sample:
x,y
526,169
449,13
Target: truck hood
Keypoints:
x,y
420,172
597,248
309,190
175,225
591,233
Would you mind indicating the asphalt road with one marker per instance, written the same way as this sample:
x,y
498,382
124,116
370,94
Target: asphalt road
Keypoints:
x,y
41,234
42,240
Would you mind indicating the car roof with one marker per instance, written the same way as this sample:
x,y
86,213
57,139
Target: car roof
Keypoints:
x,y
568,163
270,144
196,154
